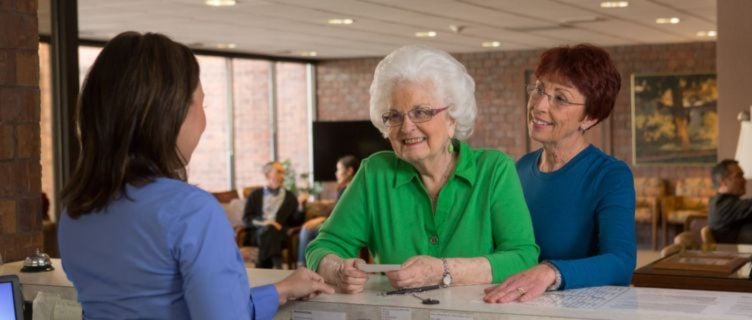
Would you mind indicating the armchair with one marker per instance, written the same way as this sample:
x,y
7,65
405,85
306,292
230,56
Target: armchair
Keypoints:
x,y
649,192
691,198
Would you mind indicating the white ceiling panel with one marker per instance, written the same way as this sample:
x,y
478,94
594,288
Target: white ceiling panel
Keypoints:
x,y
285,28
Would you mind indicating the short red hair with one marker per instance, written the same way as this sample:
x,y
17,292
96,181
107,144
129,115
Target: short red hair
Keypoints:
x,y
589,69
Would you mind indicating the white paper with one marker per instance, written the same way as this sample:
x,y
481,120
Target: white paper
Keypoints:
x,y
396,314
366,267
318,315
449,316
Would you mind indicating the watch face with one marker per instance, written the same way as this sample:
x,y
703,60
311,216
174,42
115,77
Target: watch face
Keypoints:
x,y
447,280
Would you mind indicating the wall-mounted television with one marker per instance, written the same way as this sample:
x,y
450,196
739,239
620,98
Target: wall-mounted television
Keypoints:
x,y
333,140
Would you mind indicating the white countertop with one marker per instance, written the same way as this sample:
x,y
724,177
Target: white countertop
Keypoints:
x,y
465,302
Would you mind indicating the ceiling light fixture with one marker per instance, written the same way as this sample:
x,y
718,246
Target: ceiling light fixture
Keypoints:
x,y
226,46
220,3
672,20
425,34
490,44
308,53
711,33
614,4
341,21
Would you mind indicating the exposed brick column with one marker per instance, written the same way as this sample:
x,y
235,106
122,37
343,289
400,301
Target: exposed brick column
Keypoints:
x,y
20,171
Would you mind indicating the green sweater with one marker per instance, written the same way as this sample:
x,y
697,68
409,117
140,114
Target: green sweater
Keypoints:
x,y
480,212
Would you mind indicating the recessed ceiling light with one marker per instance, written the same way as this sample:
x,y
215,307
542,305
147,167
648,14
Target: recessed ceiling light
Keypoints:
x,y
220,3
341,21
711,33
614,4
490,44
226,46
672,20
308,53
425,34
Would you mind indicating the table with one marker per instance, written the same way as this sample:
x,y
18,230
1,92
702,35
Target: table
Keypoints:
x,y
464,302
739,281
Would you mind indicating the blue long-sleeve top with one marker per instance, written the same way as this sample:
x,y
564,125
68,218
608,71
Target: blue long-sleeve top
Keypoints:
x,y
164,252
583,217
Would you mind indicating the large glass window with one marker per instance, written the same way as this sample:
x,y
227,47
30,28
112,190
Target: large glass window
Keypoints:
x,y
253,132
292,115
209,167
239,136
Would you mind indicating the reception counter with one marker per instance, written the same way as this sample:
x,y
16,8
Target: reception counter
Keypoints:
x,y
464,302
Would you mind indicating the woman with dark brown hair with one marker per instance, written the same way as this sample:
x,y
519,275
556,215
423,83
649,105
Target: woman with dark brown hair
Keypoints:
x,y
581,200
135,239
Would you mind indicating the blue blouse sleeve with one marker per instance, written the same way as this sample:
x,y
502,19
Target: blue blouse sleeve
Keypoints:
x,y
215,283
616,245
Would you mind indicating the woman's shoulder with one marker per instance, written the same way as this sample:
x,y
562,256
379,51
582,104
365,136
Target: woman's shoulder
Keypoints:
x,y
606,162
485,156
177,194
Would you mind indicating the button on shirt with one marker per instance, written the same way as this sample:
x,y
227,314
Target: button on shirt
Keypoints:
x,y
165,252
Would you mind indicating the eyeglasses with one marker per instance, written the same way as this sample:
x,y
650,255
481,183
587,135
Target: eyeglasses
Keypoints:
x,y
419,114
557,99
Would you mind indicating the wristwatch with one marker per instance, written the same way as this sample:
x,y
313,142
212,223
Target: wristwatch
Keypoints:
x,y
446,279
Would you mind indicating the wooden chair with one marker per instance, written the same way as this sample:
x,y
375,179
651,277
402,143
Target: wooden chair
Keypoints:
x,y
226,196
690,199
649,192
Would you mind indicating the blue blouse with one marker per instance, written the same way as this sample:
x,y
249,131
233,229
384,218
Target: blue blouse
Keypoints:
x,y
583,217
164,252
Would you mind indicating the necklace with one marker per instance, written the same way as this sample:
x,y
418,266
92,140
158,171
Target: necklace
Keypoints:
x,y
435,196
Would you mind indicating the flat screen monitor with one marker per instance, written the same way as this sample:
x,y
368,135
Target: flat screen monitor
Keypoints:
x,y
11,300
333,140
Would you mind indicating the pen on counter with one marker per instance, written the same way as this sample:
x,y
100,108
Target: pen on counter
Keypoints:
x,y
412,290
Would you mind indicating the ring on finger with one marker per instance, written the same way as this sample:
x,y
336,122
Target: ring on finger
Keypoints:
x,y
521,291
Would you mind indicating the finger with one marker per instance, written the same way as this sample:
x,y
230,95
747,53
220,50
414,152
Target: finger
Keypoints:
x,y
322,287
531,295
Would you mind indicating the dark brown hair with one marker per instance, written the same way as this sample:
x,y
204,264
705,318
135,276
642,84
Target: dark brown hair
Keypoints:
x,y
590,70
133,103
721,171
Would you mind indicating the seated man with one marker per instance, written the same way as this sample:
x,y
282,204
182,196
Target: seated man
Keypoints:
x,y
269,213
729,216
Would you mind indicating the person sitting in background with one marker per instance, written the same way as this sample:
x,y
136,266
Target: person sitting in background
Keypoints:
x,y
269,213
448,213
136,240
346,168
730,216
582,201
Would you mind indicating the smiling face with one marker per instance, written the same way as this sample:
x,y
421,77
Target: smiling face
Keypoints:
x,y
551,123
275,177
419,142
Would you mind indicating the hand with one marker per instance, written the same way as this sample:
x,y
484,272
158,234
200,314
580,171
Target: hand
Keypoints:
x,y
273,223
349,278
303,198
417,272
522,287
301,284
310,224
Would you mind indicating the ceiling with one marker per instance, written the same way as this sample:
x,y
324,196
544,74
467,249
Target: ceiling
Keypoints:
x,y
286,28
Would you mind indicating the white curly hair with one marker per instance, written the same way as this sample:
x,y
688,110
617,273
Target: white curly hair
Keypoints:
x,y
419,63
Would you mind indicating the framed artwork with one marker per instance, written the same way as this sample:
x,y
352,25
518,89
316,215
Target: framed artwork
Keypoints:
x,y
674,119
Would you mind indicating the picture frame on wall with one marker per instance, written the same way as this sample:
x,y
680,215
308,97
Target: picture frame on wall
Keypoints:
x,y
674,119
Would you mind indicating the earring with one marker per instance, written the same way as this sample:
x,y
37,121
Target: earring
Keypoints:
x,y
450,147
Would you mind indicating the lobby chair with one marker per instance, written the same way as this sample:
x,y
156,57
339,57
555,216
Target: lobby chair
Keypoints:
x,y
649,192
690,199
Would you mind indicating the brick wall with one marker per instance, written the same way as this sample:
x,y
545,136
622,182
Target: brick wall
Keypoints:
x,y
500,79
20,171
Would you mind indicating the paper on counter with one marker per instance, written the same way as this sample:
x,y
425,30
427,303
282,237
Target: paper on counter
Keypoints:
x,y
367,267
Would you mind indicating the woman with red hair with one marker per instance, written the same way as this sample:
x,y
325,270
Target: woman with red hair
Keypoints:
x,y
581,200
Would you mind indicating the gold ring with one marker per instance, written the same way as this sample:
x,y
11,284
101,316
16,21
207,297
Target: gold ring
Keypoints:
x,y
521,291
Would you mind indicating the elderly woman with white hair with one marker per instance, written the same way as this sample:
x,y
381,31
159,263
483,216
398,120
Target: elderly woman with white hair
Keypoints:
x,y
448,213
